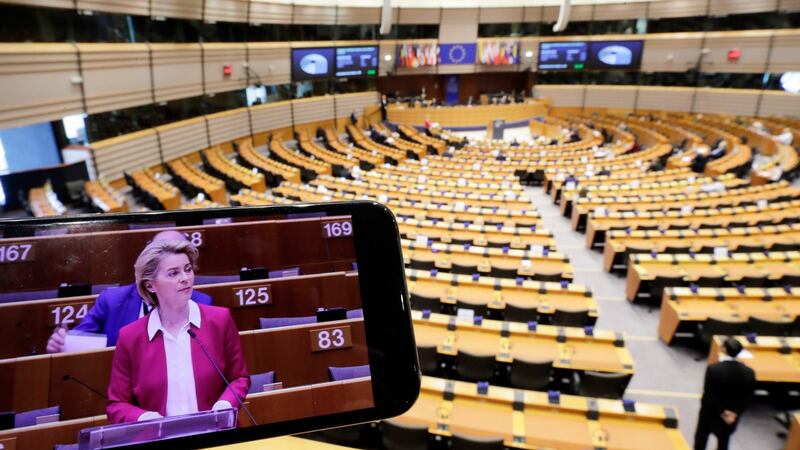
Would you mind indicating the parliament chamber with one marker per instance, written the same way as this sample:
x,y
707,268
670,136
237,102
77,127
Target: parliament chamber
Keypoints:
x,y
592,196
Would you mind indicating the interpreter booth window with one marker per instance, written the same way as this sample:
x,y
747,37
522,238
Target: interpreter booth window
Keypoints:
x,y
312,33
273,301
178,31
417,31
732,80
668,78
487,30
573,28
627,26
356,32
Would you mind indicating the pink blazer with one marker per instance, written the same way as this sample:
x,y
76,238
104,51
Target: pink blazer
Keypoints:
x,y
139,371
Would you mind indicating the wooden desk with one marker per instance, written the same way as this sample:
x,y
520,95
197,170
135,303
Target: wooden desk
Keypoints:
x,y
646,268
535,422
603,351
774,359
793,439
680,306
267,407
617,242
26,326
455,116
519,238
485,258
39,381
497,292
108,256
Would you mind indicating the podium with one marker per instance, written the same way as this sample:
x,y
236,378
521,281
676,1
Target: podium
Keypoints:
x,y
111,436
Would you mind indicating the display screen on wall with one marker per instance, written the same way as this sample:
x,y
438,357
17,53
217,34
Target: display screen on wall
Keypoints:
x,y
498,53
412,55
312,63
563,55
356,61
616,55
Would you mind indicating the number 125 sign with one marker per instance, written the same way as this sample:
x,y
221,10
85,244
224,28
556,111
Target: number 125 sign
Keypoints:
x,y
337,229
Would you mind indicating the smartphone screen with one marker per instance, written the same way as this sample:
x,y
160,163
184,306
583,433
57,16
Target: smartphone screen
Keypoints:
x,y
177,317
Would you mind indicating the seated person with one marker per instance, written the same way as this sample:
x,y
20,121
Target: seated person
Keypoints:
x,y
117,307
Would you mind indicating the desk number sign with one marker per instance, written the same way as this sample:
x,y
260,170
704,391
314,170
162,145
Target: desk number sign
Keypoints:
x,y
337,229
333,338
14,253
68,314
258,295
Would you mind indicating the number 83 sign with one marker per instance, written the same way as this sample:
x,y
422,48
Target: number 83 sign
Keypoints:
x,y
330,338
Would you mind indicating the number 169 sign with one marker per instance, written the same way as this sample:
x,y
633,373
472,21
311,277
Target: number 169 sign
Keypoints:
x,y
337,229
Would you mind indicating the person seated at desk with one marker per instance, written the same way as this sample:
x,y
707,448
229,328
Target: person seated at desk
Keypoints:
x,y
117,307
157,370
718,151
699,162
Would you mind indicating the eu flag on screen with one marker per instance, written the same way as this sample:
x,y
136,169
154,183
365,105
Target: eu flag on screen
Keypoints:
x,y
457,53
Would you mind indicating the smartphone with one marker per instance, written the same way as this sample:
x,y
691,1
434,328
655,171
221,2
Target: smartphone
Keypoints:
x,y
314,294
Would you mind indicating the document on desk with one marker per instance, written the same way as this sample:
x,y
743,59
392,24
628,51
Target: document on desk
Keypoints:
x,y
78,341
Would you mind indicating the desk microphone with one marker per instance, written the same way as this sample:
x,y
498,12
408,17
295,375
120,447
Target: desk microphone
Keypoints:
x,y
68,377
235,395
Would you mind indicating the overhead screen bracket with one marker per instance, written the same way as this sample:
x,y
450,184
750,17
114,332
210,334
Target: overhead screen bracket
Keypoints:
x,y
563,16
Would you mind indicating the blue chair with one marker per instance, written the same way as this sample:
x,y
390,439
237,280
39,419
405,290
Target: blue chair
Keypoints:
x,y
355,313
348,372
275,322
29,418
257,381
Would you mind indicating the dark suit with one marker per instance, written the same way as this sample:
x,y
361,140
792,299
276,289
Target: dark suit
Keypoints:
x,y
117,307
729,385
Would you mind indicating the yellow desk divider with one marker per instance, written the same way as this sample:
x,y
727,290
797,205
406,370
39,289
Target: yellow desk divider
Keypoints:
x,y
570,348
535,420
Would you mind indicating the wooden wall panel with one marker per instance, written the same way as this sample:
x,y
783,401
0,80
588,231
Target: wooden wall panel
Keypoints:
x,y
614,97
458,25
313,109
784,56
136,7
226,11
386,48
562,95
727,7
671,53
265,12
419,15
533,14
314,15
181,138
500,15
65,4
727,101
271,61
36,83
676,8
228,125
271,116
753,44
179,9
126,153
349,103
215,57
789,5
176,71
525,46
783,104
115,76
578,13
618,11
358,16
456,69
665,99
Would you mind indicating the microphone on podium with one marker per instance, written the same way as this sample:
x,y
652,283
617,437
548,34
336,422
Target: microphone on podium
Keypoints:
x,y
68,377
228,384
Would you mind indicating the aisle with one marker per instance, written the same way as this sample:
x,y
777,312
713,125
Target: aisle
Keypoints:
x,y
665,375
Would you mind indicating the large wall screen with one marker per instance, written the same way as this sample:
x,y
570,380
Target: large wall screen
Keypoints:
x,y
593,55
